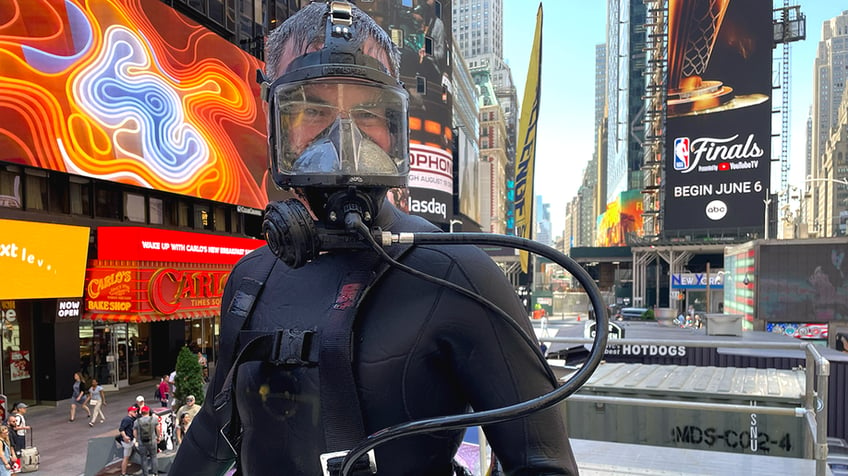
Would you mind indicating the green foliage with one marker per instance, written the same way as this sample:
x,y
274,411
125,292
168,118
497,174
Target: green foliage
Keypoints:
x,y
648,315
189,379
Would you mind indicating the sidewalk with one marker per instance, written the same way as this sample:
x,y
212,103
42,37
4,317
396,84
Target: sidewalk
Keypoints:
x,y
63,445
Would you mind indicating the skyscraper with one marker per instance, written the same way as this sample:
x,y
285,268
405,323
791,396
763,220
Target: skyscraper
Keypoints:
x,y
829,78
478,34
625,59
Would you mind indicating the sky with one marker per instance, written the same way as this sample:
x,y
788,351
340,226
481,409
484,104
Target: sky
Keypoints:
x,y
565,135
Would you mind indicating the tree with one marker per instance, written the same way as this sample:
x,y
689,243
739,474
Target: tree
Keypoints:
x,y
189,378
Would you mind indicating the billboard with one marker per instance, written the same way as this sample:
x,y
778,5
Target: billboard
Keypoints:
x,y
803,282
421,29
34,266
623,217
718,129
131,91
130,291
150,244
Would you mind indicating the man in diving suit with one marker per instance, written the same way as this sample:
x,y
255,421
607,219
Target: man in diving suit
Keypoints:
x,y
419,350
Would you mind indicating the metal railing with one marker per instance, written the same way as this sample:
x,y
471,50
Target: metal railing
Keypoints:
x,y
814,411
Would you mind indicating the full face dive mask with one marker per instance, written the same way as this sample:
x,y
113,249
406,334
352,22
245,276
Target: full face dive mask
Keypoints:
x,y
338,131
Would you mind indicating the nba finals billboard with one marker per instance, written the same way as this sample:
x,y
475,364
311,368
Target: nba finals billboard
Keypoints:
x,y
718,129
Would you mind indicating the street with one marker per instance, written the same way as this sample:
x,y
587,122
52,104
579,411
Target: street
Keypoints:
x,y
63,445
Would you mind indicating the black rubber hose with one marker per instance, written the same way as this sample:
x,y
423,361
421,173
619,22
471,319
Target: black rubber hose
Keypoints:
x,y
518,410
509,320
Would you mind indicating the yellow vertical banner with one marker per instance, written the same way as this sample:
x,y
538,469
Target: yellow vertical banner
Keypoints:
x,y
526,147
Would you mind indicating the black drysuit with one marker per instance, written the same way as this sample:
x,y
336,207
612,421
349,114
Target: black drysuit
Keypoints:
x,y
420,351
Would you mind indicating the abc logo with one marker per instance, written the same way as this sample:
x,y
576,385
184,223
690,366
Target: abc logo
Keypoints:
x,y
716,210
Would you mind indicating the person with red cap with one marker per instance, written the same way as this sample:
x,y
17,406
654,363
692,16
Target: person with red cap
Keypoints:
x,y
146,431
125,432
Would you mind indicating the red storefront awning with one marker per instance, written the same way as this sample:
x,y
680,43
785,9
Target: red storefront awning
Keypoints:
x,y
142,291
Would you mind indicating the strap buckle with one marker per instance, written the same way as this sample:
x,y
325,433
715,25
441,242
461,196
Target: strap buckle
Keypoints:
x,y
232,440
331,463
292,347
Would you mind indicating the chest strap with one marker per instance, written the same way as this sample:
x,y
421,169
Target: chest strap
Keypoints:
x,y
332,347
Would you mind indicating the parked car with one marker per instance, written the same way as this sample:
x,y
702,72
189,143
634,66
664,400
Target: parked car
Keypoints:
x,y
633,314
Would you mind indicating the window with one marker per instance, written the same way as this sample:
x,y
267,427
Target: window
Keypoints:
x,y
397,36
184,217
10,186
198,5
134,208
108,201
80,196
220,222
35,190
421,84
203,219
154,210
58,193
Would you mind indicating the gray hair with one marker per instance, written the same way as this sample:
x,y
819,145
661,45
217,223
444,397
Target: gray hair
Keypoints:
x,y
306,28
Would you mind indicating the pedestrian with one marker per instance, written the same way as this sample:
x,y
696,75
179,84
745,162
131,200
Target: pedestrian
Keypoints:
x,y
78,397
146,431
125,432
97,398
190,408
139,402
183,422
6,452
204,366
18,426
164,391
338,139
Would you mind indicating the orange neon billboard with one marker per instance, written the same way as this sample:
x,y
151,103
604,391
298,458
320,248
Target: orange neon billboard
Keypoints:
x,y
133,92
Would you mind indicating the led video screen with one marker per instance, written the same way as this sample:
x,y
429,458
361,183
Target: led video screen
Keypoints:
x,y
133,92
718,129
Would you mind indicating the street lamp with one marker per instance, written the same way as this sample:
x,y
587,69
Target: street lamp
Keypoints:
x,y
767,201
454,222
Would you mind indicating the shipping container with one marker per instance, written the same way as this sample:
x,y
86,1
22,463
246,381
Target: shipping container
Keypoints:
x,y
750,433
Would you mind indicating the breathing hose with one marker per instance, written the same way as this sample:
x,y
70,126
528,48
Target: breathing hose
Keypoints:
x,y
511,412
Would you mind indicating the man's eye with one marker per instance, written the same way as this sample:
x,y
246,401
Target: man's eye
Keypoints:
x,y
314,112
304,110
368,116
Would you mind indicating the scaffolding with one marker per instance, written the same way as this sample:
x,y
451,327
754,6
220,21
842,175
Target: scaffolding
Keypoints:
x,y
656,77
790,25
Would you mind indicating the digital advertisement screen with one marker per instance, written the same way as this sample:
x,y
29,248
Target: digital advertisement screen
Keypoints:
x,y
133,92
622,218
718,134
151,244
421,29
32,266
804,283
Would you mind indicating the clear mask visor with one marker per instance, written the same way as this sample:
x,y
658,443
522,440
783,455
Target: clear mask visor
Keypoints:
x,y
341,128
